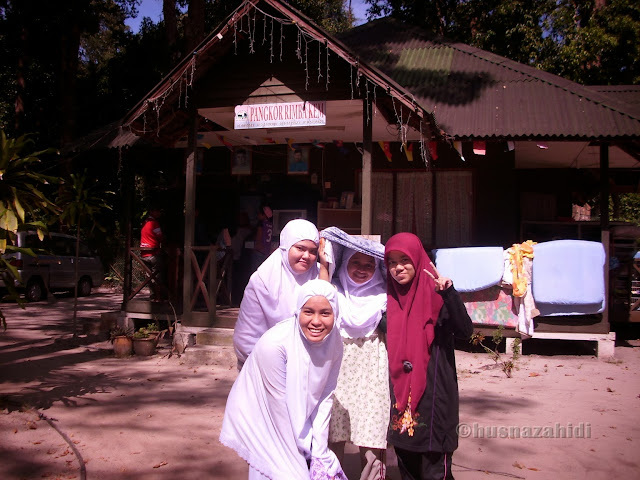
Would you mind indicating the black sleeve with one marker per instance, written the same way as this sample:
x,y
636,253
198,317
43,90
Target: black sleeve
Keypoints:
x,y
460,323
382,326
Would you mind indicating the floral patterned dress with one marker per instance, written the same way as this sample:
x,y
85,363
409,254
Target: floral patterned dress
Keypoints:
x,y
361,403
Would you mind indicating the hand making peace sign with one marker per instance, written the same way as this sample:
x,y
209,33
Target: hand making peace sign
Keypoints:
x,y
442,283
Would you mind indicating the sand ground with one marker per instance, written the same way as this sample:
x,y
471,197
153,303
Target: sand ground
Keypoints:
x,y
559,417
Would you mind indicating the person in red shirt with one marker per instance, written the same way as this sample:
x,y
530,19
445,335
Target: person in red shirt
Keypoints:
x,y
151,248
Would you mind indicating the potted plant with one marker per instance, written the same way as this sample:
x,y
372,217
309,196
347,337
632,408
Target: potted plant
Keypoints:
x,y
144,344
122,341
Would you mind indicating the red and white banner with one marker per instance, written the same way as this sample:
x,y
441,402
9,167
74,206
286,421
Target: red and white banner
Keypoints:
x,y
275,115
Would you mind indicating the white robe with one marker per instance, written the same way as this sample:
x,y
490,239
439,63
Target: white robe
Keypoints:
x,y
277,413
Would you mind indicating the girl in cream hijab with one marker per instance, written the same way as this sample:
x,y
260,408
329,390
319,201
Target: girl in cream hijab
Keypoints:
x,y
272,290
277,414
361,401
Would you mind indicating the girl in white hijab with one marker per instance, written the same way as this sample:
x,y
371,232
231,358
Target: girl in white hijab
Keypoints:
x,y
271,293
362,401
277,414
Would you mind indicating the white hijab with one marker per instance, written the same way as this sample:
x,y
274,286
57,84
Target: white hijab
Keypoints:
x,y
277,275
278,410
271,293
361,304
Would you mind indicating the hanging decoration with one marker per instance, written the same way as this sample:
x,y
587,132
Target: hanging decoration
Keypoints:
x,y
292,145
243,25
458,146
433,150
386,148
479,147
408,151
224,141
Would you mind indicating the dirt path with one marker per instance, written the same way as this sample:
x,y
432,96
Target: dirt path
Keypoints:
x,y
160,418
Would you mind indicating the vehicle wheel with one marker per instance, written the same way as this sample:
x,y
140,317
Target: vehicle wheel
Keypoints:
x,y
35,290
84,287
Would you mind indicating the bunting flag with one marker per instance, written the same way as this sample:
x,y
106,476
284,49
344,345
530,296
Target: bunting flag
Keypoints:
x,y
341,148
511,146
224,141
458,146
543,145
408,150
206,145
433,150
269,140
386,149
317,144
292,145
479,147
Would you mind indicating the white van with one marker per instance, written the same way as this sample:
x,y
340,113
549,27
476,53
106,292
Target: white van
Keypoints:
x,y
53,267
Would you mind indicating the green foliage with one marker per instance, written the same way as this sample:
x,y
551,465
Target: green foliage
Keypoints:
x,y
141,334
152,327
22,201
506,364
628,208
591,42
329,14
81,201
120,332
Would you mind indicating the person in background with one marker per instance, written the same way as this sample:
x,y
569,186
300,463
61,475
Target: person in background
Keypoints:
x,y
264,234
151,238
424,314
241,257
271,293
277,413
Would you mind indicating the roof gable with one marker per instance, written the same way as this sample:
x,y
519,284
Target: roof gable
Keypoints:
x,y
256,34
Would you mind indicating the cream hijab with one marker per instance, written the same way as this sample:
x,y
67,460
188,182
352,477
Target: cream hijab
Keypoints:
x,y
361,304
278,410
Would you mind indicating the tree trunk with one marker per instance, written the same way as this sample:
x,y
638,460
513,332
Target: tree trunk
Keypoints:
x,y
70,47
195,24
170,25
21,84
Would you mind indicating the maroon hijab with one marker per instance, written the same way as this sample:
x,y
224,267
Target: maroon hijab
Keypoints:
x,y
412,312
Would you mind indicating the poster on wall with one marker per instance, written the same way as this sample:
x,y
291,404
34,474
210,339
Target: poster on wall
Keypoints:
x,y
298,161
241,161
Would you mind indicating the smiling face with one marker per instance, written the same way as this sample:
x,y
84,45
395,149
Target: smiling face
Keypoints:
x,y
400,267
316,318
361,267
302,255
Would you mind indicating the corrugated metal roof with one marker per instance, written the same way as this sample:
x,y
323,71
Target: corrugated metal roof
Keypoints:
x,y
476,94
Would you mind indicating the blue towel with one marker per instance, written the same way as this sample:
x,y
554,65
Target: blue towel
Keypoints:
x,y
471,268
568,277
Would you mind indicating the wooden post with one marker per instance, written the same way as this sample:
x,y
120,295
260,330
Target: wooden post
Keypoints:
x,y
127,192
604,186
367,147
604,222
189,215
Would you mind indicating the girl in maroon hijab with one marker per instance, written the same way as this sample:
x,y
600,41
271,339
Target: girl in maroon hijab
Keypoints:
x,y
424,314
